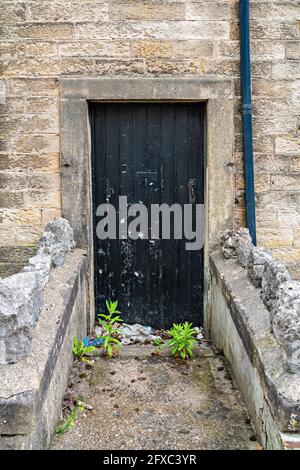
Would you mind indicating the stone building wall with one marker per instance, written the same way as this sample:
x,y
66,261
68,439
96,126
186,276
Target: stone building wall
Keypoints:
x,y
43,40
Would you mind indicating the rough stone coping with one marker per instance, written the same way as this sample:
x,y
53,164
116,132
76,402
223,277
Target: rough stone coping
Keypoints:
x,y
23,385
252,321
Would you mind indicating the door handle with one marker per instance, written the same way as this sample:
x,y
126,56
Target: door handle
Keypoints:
x,y
192,190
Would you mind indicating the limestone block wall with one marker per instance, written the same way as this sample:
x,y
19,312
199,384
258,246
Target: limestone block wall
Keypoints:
x,y
43,40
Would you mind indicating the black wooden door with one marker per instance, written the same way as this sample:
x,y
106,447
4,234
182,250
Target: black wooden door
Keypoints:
x,y
150,153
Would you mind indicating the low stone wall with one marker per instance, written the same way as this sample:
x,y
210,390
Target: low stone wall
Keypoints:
x,y
278,291
21,295
32,389
241,324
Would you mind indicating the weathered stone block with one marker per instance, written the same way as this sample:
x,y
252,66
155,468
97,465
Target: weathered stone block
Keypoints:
x,y
21,301
22,296
28,235
42,199
229,49
292,50
17,414
11,199
2,351
236,244
262,183
2,92
262,69
57,241
287,145
7,237
12,14
289,218
274,274
193,48
227,245
281,182
263,143
105,48
267,50
154,30
12,51
154,10
287,292
294,269
50,214
286,255
286,327
281,70
68,12
261,28
17,254
43,105
220,67
38,144
34,180
38,124
18,345
172,67
296,233
243,245
265,163
34,67
29,87
41,266
295,165
275,199
17,217
8,269
256,263
274,116
274,88
264,218
151,48
29,162
130,67
12,105
3,144
287,9
74,66
45,31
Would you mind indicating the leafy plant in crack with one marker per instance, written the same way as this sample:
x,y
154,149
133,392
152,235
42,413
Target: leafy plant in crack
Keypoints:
x,y
182,340
108,322
159,344
111,346
81,348
69,421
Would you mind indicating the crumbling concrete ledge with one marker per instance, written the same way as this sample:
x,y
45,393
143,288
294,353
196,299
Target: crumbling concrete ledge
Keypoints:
x,y
32,389
240,326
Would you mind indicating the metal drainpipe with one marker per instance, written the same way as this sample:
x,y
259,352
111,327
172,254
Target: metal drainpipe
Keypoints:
x,y
247,118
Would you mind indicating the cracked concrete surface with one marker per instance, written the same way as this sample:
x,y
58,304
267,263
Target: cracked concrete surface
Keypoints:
x,y
147,402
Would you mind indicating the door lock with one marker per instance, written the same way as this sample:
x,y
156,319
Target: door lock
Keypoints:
x,y
192,190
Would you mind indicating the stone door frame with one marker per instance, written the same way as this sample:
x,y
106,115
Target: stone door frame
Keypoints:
x,y
76,151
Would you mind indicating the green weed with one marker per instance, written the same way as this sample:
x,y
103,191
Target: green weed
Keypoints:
x,y
111,344
80,349
182,340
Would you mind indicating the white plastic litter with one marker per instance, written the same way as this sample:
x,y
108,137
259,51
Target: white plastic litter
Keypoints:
x,y
133,334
